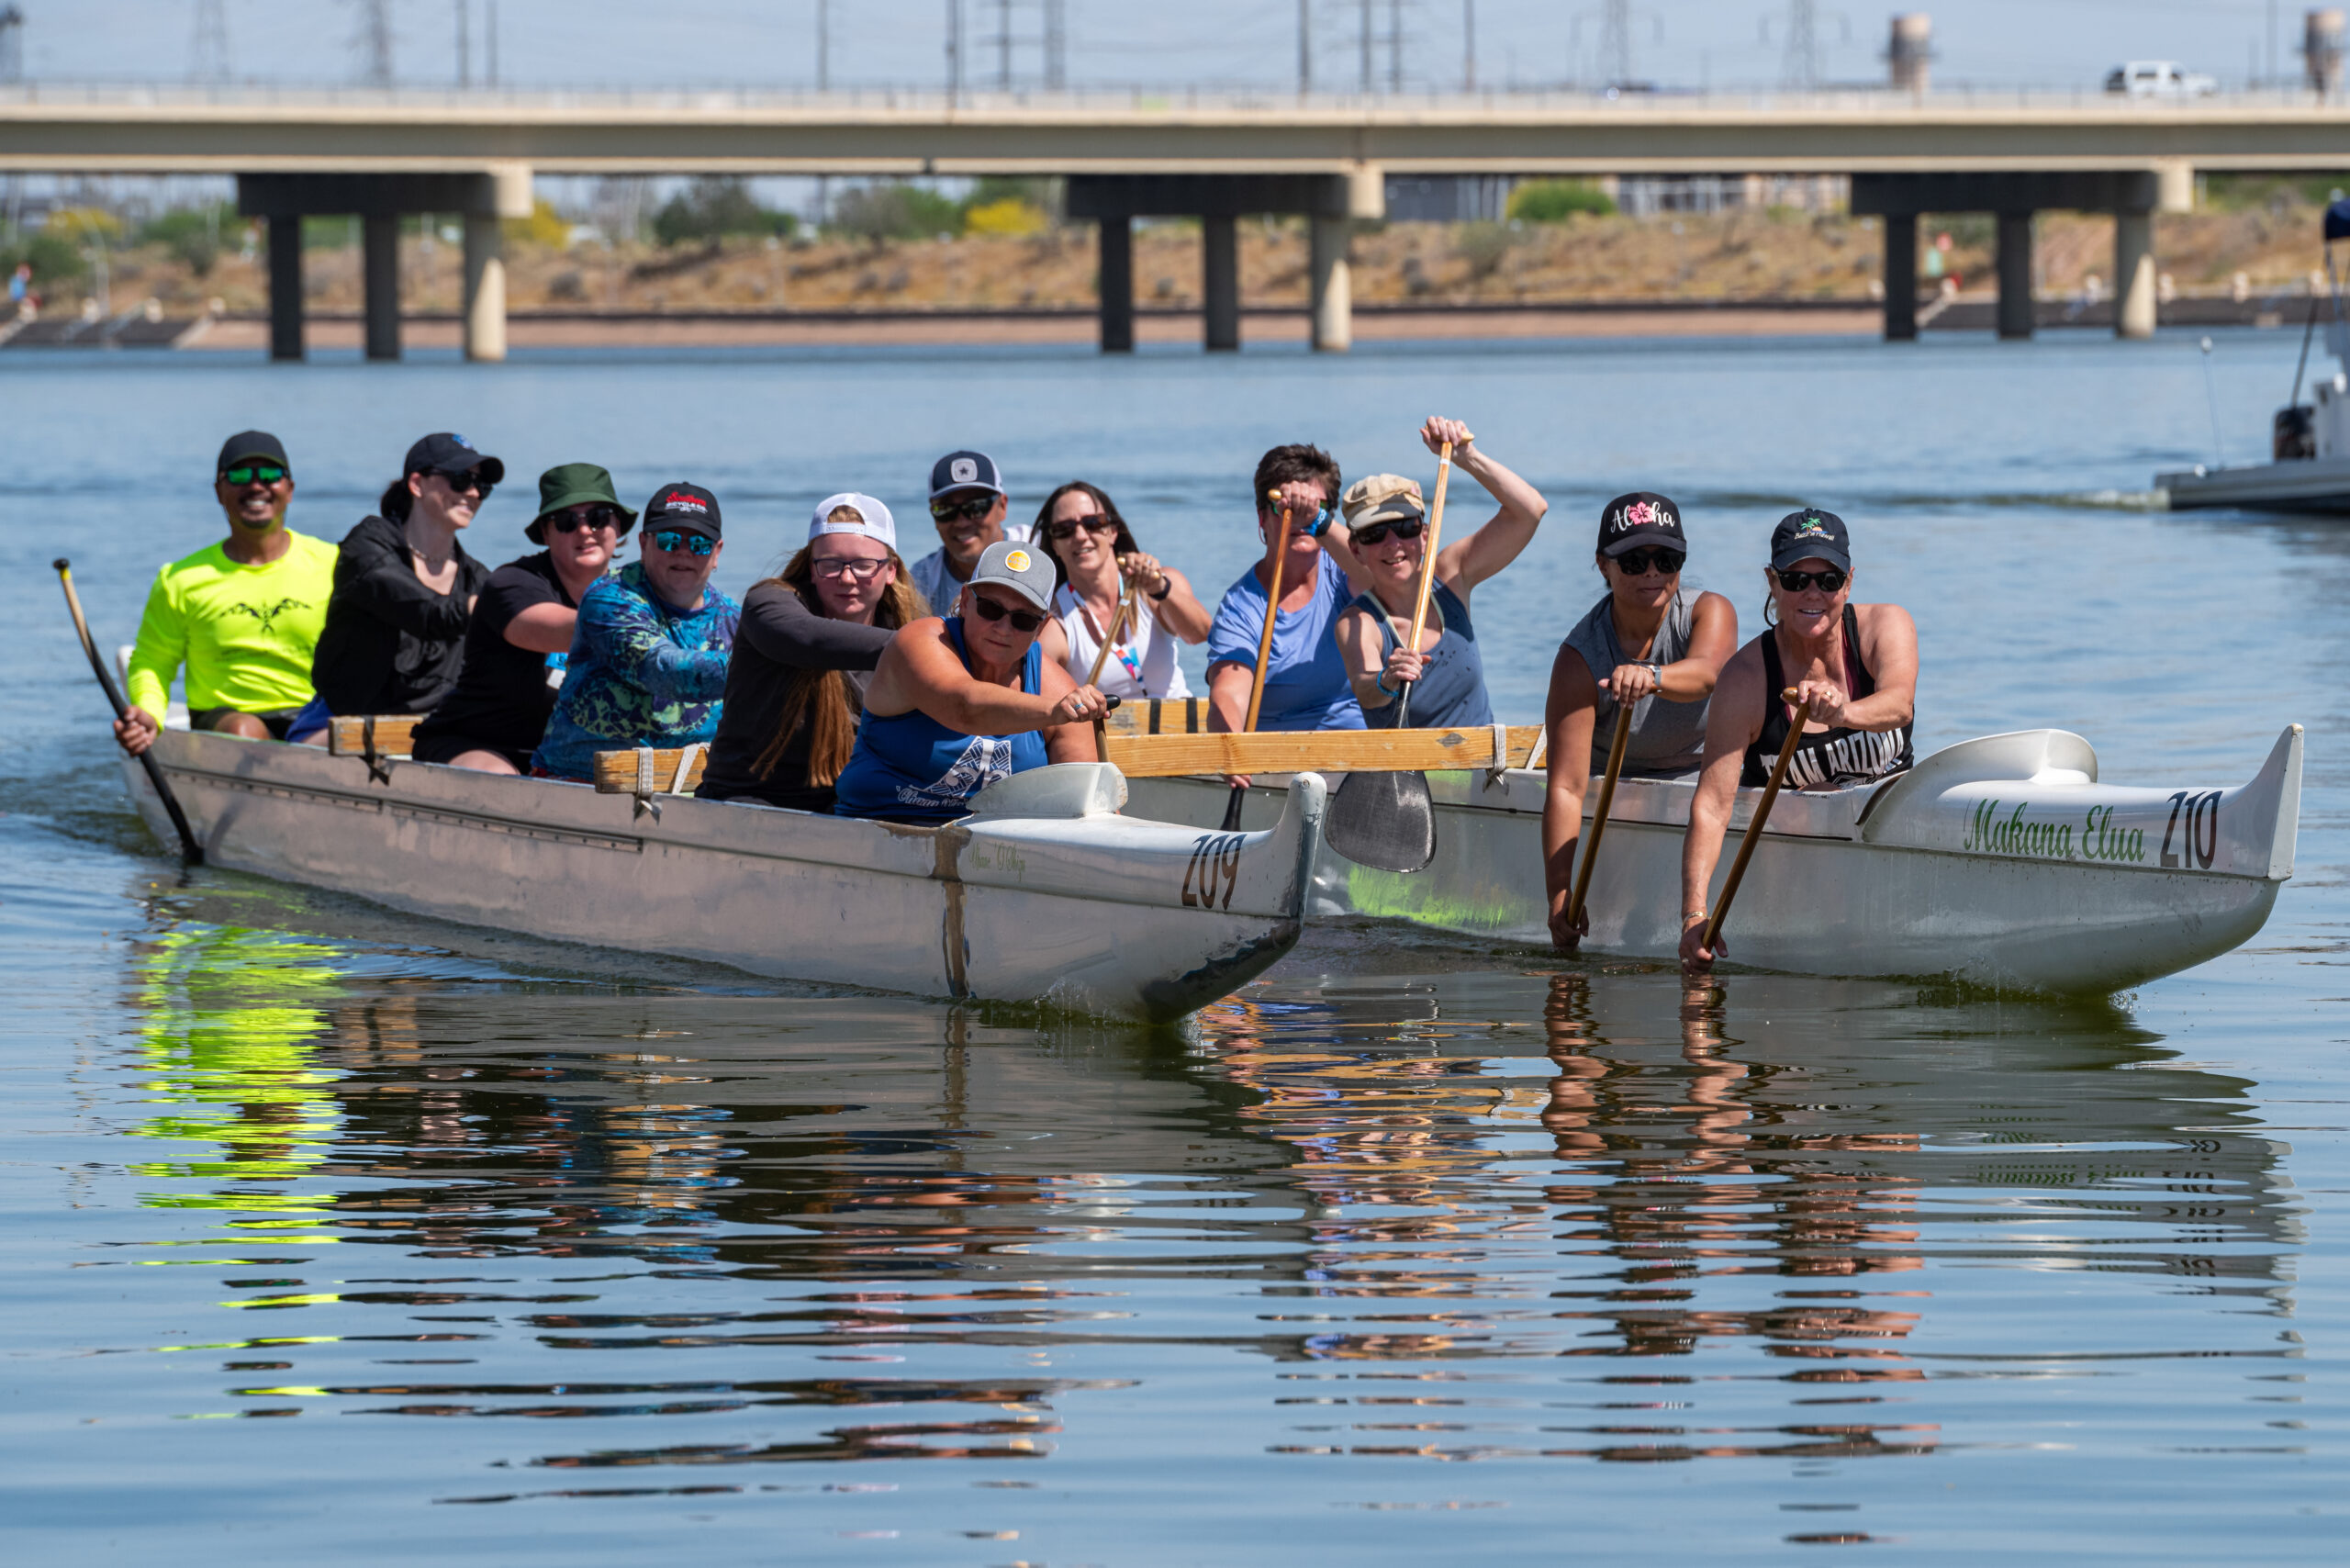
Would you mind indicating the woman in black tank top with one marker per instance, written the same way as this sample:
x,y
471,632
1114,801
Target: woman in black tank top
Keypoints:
x,y
1853,669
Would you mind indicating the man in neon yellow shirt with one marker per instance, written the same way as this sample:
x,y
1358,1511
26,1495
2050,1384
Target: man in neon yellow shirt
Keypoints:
x,y
242,615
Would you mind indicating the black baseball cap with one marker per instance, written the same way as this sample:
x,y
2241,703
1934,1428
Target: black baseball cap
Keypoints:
x,y
688,509
442,453
964,471
1642,517
1811,534
252,443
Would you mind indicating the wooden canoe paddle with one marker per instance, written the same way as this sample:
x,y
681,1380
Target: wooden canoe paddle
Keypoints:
x,y
1102,657
1264,657
1754,825
1590,849
191,852
1387,819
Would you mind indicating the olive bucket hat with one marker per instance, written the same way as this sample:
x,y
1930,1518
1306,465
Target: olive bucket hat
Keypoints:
x,y
571,485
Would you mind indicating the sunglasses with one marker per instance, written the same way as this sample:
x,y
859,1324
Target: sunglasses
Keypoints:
x,y
469,479
1096,522
851,567
1828,581
598,517
1022,620
253,474
1402,528
973,511
1636,562
672,538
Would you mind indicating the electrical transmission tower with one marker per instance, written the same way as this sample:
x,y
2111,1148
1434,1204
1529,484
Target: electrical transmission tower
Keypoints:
x,y
372,42
1616,42
1049,39
208,58
1799,68
12,44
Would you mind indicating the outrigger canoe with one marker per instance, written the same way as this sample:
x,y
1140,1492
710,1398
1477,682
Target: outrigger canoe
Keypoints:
x,y
2004,861
1046,894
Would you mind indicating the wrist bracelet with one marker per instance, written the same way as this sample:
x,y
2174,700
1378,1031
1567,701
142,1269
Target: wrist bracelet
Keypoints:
x,y
1688,920
1165,587
1390,690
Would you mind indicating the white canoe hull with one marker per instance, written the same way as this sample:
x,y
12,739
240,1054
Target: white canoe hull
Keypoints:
x,y
1065,903
2001,861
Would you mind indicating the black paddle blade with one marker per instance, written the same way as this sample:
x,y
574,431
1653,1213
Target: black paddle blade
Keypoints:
x,y
1383,819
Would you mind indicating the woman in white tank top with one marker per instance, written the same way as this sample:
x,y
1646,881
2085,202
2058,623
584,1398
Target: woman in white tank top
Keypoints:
x,y
1095,556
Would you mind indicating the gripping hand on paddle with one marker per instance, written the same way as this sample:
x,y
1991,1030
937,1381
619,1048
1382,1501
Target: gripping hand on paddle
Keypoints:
x,y
1404,666
1629,683
1695,957
1440,432
1823,700
135,731
1080,706
1567,935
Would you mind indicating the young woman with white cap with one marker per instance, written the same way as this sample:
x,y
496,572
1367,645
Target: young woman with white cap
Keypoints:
x,y
960,701
810,638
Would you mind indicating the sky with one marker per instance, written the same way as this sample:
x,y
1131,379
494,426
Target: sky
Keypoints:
x,y
1121,43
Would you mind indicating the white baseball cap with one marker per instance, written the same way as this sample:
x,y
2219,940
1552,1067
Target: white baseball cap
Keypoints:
x,y
877,524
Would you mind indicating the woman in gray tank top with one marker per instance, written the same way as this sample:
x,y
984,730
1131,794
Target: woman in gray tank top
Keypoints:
x,y
1647,643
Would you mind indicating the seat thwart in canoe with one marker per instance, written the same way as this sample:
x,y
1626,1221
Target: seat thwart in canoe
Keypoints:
x,y
1139,752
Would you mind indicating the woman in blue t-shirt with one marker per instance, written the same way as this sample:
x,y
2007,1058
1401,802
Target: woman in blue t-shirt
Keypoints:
x,y
960,702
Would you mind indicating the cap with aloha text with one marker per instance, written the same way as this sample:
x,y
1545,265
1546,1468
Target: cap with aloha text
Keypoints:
x,y
1641,517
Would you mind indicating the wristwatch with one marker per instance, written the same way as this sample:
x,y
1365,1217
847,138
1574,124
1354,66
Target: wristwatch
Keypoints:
x,y
1165,587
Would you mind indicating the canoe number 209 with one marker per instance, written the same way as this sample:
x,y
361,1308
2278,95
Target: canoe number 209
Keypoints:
x,y
2200,844
1214,856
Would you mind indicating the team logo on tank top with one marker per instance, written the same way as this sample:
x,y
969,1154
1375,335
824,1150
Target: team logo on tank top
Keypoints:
x,y
984,760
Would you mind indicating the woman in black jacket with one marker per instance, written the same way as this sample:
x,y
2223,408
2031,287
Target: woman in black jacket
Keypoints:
x,y
394,633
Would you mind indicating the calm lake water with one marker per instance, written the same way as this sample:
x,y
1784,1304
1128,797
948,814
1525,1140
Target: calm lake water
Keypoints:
x,y
333,1233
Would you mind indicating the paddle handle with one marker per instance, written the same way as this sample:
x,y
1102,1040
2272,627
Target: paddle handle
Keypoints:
x,y
1590,855
1754,827
1436,532
191,852
1117,625
1272,608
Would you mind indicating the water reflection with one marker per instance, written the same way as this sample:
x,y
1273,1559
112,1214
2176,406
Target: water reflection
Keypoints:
x,y
1594,1214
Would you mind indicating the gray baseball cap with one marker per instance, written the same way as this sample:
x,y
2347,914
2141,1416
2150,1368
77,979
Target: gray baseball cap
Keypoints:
x,y
1024,571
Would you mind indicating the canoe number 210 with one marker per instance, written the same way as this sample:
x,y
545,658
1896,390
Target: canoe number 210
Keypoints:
x,y
2200,844
1213,855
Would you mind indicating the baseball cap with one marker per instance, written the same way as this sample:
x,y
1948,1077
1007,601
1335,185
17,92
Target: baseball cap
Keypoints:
x,y
1382,497
252,443
1811,534
444,453
569,485
1641,517
689,508
964,471
1024,571
878,523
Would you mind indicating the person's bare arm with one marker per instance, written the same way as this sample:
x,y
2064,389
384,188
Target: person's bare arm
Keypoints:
x,y
1483,553
1055,641
542,628
1064,743
1369,662
1228,685
1181,612
1732,722
919,670
1889,647
1568,717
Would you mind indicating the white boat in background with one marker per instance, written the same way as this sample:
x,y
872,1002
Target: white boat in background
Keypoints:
x,y
2004,861
1044,895
2309,443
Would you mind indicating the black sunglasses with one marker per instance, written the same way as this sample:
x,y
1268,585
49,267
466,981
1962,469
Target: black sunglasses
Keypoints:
x,y
467,479
568,521
1094,522
1402,528
975,509
674,539
1022,620
1636,562
253,474
1829,581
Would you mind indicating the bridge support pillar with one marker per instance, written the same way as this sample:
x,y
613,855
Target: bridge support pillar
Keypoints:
x,y
1220,281
484,287
1333,283
1900,278
286,289
1117,285
2015,275
2134,274
379,244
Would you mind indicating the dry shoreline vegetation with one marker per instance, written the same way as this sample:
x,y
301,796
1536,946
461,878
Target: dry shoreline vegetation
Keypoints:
x,y
1012,257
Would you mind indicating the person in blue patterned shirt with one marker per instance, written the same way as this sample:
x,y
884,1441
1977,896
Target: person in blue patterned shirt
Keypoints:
x,y
649,652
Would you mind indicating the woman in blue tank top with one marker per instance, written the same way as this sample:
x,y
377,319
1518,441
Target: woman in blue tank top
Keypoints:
x,y
957,703
1386,531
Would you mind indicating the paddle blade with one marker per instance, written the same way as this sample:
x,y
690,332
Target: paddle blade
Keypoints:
x,y
1383,820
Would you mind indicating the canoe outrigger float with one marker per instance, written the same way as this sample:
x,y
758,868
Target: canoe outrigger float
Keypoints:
x,y
1044,895
2003,861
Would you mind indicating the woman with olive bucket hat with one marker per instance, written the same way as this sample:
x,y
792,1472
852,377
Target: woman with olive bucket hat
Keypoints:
x,y
521,627
1855,671
1647,643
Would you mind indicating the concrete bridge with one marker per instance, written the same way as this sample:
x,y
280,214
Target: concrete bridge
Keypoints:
x,y
1217,157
